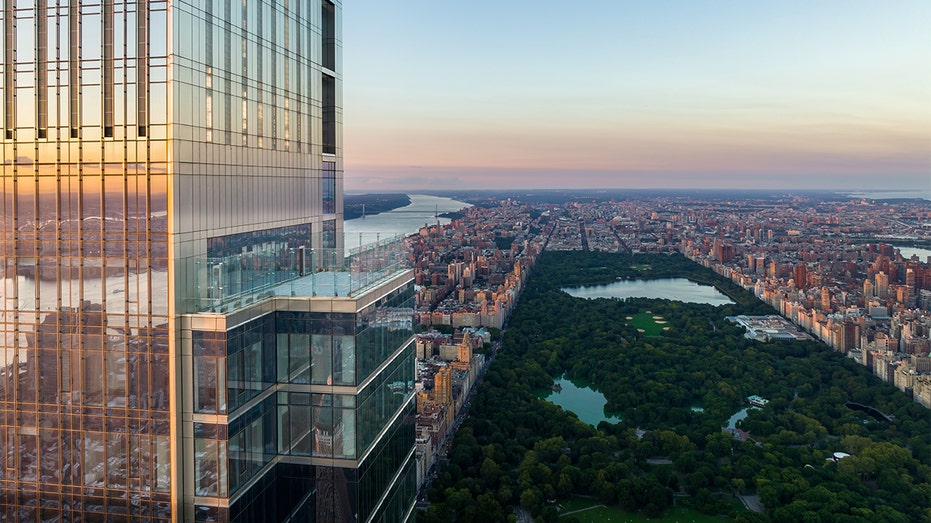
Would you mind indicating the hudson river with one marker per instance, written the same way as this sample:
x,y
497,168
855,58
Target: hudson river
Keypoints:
x,y
404,220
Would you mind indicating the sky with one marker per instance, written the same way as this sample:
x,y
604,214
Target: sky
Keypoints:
x,y
831,94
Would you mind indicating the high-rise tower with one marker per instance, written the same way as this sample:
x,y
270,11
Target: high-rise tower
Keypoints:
x,y
182,336
882,285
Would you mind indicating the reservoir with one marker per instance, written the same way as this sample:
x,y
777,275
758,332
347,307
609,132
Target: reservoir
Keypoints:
x,y
680,289
402,221
588,404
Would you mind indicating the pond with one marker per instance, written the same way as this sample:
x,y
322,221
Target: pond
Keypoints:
x,y
872,411
681,289
739,416
587,403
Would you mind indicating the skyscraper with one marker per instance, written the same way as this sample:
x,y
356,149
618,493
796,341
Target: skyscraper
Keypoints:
x,y
882,285
182,336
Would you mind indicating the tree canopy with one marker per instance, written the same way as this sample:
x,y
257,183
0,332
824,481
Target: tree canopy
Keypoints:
x,y
516,449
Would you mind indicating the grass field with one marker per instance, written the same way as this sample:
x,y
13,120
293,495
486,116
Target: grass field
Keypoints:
x,y
648,323
591,511
641,267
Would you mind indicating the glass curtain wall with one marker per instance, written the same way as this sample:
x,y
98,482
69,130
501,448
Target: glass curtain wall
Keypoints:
x,y
291,383
101,118
84,414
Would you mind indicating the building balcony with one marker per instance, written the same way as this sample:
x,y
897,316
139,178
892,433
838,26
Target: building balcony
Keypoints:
x,y
223,285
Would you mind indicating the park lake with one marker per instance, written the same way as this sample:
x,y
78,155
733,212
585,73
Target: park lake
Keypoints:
x,y
587,403
680,289
738,417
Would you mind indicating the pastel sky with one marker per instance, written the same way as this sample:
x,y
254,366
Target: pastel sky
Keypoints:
x,y
832,94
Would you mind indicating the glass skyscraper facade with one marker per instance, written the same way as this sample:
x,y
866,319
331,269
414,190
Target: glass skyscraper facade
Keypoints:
x,y
182,336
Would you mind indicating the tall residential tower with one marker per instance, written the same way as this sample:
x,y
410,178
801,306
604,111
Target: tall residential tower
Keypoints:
x,y
182,335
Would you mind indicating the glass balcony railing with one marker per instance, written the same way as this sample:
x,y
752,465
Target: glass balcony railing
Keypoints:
x,y
231,282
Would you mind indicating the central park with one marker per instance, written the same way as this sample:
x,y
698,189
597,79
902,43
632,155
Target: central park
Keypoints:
x,y
672,374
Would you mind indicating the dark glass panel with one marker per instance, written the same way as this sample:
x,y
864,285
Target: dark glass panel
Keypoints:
x,y
329,191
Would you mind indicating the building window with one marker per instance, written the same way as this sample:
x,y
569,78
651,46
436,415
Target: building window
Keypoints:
x,y
329,234
328,17
329,114
329,188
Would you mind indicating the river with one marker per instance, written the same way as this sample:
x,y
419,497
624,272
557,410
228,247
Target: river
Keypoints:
x,y
924,194
908,252
404,221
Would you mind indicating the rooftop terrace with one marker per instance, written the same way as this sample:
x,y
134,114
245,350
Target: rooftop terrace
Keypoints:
x,y
240,280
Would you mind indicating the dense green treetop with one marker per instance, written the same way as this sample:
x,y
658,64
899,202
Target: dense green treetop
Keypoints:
x,y
516,449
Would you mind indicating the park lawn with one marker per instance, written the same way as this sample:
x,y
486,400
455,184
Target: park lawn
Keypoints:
x,y
645,322
592,511
641,267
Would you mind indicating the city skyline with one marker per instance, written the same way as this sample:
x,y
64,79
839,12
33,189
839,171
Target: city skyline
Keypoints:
x,y
822,96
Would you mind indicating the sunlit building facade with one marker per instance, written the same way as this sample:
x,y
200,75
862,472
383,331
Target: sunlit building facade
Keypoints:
x,y
182,335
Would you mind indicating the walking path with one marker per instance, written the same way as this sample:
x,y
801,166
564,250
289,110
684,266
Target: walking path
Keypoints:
x,y
564,514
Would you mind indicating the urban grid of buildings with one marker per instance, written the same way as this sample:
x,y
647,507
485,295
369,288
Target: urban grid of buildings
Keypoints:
x,y
828,267
182,336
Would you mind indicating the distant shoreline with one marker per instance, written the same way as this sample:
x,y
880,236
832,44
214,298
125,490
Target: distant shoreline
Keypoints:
x,y
372,204
476,196
890,196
